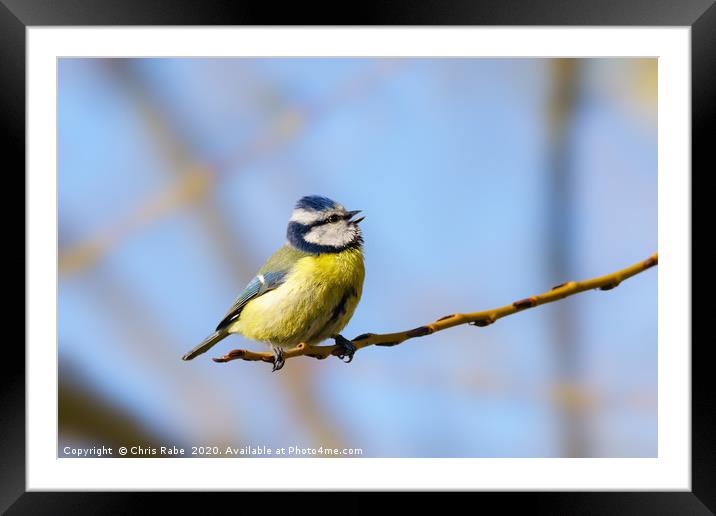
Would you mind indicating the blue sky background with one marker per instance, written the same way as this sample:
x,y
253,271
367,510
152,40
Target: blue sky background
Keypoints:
x,y
177,178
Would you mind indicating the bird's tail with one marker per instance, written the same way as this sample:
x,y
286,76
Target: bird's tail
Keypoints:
x,y
205,345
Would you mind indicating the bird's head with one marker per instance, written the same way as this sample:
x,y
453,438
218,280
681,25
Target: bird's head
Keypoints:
x,y
320,225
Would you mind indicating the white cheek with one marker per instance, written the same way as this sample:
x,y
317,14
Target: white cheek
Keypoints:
x,y
336,235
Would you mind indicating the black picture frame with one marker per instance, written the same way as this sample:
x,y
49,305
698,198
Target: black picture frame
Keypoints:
x,y
17,15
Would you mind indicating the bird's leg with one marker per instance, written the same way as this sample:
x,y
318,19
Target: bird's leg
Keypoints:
x,y
278,360
346,349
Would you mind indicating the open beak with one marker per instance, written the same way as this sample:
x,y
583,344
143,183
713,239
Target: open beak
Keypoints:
x,y
352,214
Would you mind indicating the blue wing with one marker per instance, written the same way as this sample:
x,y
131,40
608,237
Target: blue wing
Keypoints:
x,y
258,286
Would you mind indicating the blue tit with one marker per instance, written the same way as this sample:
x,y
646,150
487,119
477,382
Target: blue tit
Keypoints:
x,y
308,290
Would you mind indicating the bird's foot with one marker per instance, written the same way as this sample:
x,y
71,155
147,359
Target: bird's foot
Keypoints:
x,y
346,349
278,360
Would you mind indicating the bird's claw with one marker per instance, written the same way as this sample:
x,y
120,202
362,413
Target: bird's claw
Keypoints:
x,y
346,349
278,360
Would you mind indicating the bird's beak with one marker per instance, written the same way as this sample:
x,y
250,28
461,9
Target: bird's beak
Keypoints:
x,y
352,214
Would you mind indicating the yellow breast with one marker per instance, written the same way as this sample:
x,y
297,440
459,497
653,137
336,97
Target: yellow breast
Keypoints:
x,y
315,302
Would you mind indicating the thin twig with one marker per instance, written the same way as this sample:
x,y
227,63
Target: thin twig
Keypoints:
x,y
484,318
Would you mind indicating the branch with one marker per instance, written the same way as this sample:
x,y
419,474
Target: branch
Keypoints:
x,y
483,318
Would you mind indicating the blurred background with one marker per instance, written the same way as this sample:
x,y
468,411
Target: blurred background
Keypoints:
x,y
483,181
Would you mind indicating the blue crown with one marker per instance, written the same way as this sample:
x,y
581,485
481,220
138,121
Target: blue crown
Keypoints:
x,y
315,203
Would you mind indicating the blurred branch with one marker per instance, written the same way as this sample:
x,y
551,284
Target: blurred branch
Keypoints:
x,y
560,181
193,185
196,179
84,414
146,341
483,318
191,180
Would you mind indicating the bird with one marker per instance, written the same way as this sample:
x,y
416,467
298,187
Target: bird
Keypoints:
x,y
308,290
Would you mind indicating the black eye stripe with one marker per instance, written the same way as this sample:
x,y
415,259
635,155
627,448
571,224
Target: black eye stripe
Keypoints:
x,y
332,218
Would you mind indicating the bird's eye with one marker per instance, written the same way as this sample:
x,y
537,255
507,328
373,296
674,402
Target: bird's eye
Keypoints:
x,y
333,218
